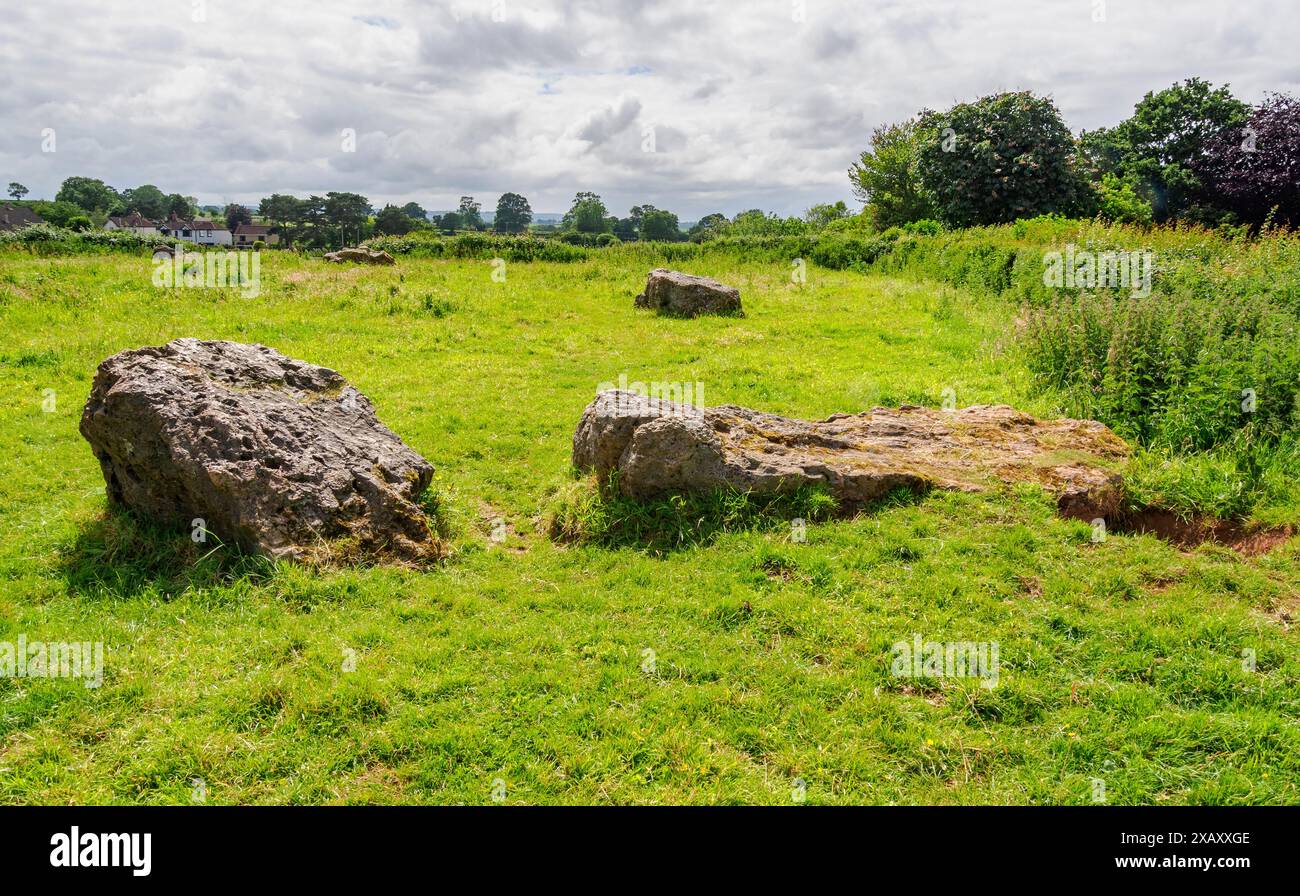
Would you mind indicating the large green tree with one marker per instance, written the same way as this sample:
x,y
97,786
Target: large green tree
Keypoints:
x,y
709,227
1000,158
235,215
280,209
89,194
311,212
626,229
471,216
392,220
345,213
17,190
181,206
887,177
60,214
1157,148
637,214
658,224
513,215
587,214
146,199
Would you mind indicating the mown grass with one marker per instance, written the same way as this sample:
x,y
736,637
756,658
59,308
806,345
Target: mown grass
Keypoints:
x,y
692,652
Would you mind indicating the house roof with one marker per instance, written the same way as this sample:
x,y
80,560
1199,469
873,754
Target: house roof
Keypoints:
x,y
253,229
175,223
14,216
135,219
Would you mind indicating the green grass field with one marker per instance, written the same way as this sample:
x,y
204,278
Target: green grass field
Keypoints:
x,y
738,667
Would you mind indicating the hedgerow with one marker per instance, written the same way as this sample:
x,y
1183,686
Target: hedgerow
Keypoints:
x,y
47,239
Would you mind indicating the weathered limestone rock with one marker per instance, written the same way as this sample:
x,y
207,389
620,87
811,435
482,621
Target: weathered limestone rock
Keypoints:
x,y
360,255
660,447
275,455
685,295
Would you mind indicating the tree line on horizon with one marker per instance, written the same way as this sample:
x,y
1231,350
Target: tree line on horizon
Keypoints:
x,y
85,202
1191,152
339,218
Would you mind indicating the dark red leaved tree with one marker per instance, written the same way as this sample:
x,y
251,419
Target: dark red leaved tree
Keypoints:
x,y
1253,169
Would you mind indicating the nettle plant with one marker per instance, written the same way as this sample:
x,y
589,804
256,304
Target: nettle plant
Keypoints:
x,y
1170,370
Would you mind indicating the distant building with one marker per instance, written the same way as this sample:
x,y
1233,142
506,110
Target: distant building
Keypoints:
x,y
13,217
200,230
247,234
134,222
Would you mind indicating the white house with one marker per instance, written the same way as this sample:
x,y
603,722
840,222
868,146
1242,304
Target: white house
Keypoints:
x,y
200,230
134,222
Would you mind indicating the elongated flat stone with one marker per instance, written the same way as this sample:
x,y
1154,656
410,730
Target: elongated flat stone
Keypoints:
x,y
659,447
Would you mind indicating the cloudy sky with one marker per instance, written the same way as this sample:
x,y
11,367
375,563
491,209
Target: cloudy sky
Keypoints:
x,y
744,104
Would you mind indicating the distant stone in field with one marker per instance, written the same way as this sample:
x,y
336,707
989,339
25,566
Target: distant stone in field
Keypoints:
x,y
659,447
685,295
278,456
361,256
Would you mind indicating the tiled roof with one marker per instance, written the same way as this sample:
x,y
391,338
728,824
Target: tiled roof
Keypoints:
x,y
14,216
174,223
135,219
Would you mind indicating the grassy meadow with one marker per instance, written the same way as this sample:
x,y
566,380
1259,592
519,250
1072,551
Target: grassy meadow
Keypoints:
x,y
732,664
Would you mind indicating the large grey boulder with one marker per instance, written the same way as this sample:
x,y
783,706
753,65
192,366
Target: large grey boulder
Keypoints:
x,y
659,447
685,295
360,255
278,456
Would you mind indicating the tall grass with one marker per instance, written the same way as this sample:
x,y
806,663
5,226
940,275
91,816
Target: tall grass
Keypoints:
x,y
584,513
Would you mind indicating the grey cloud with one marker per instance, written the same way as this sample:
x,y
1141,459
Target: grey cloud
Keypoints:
x,y
600,126
833,42
480,43
749,107
709,89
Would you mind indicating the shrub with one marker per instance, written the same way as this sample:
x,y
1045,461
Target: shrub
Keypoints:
x,y
579,238
1118,201
839,251
426,244
1000,158
47,239
924,227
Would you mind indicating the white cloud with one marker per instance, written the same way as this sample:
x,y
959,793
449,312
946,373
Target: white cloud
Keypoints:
x,y
750,104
